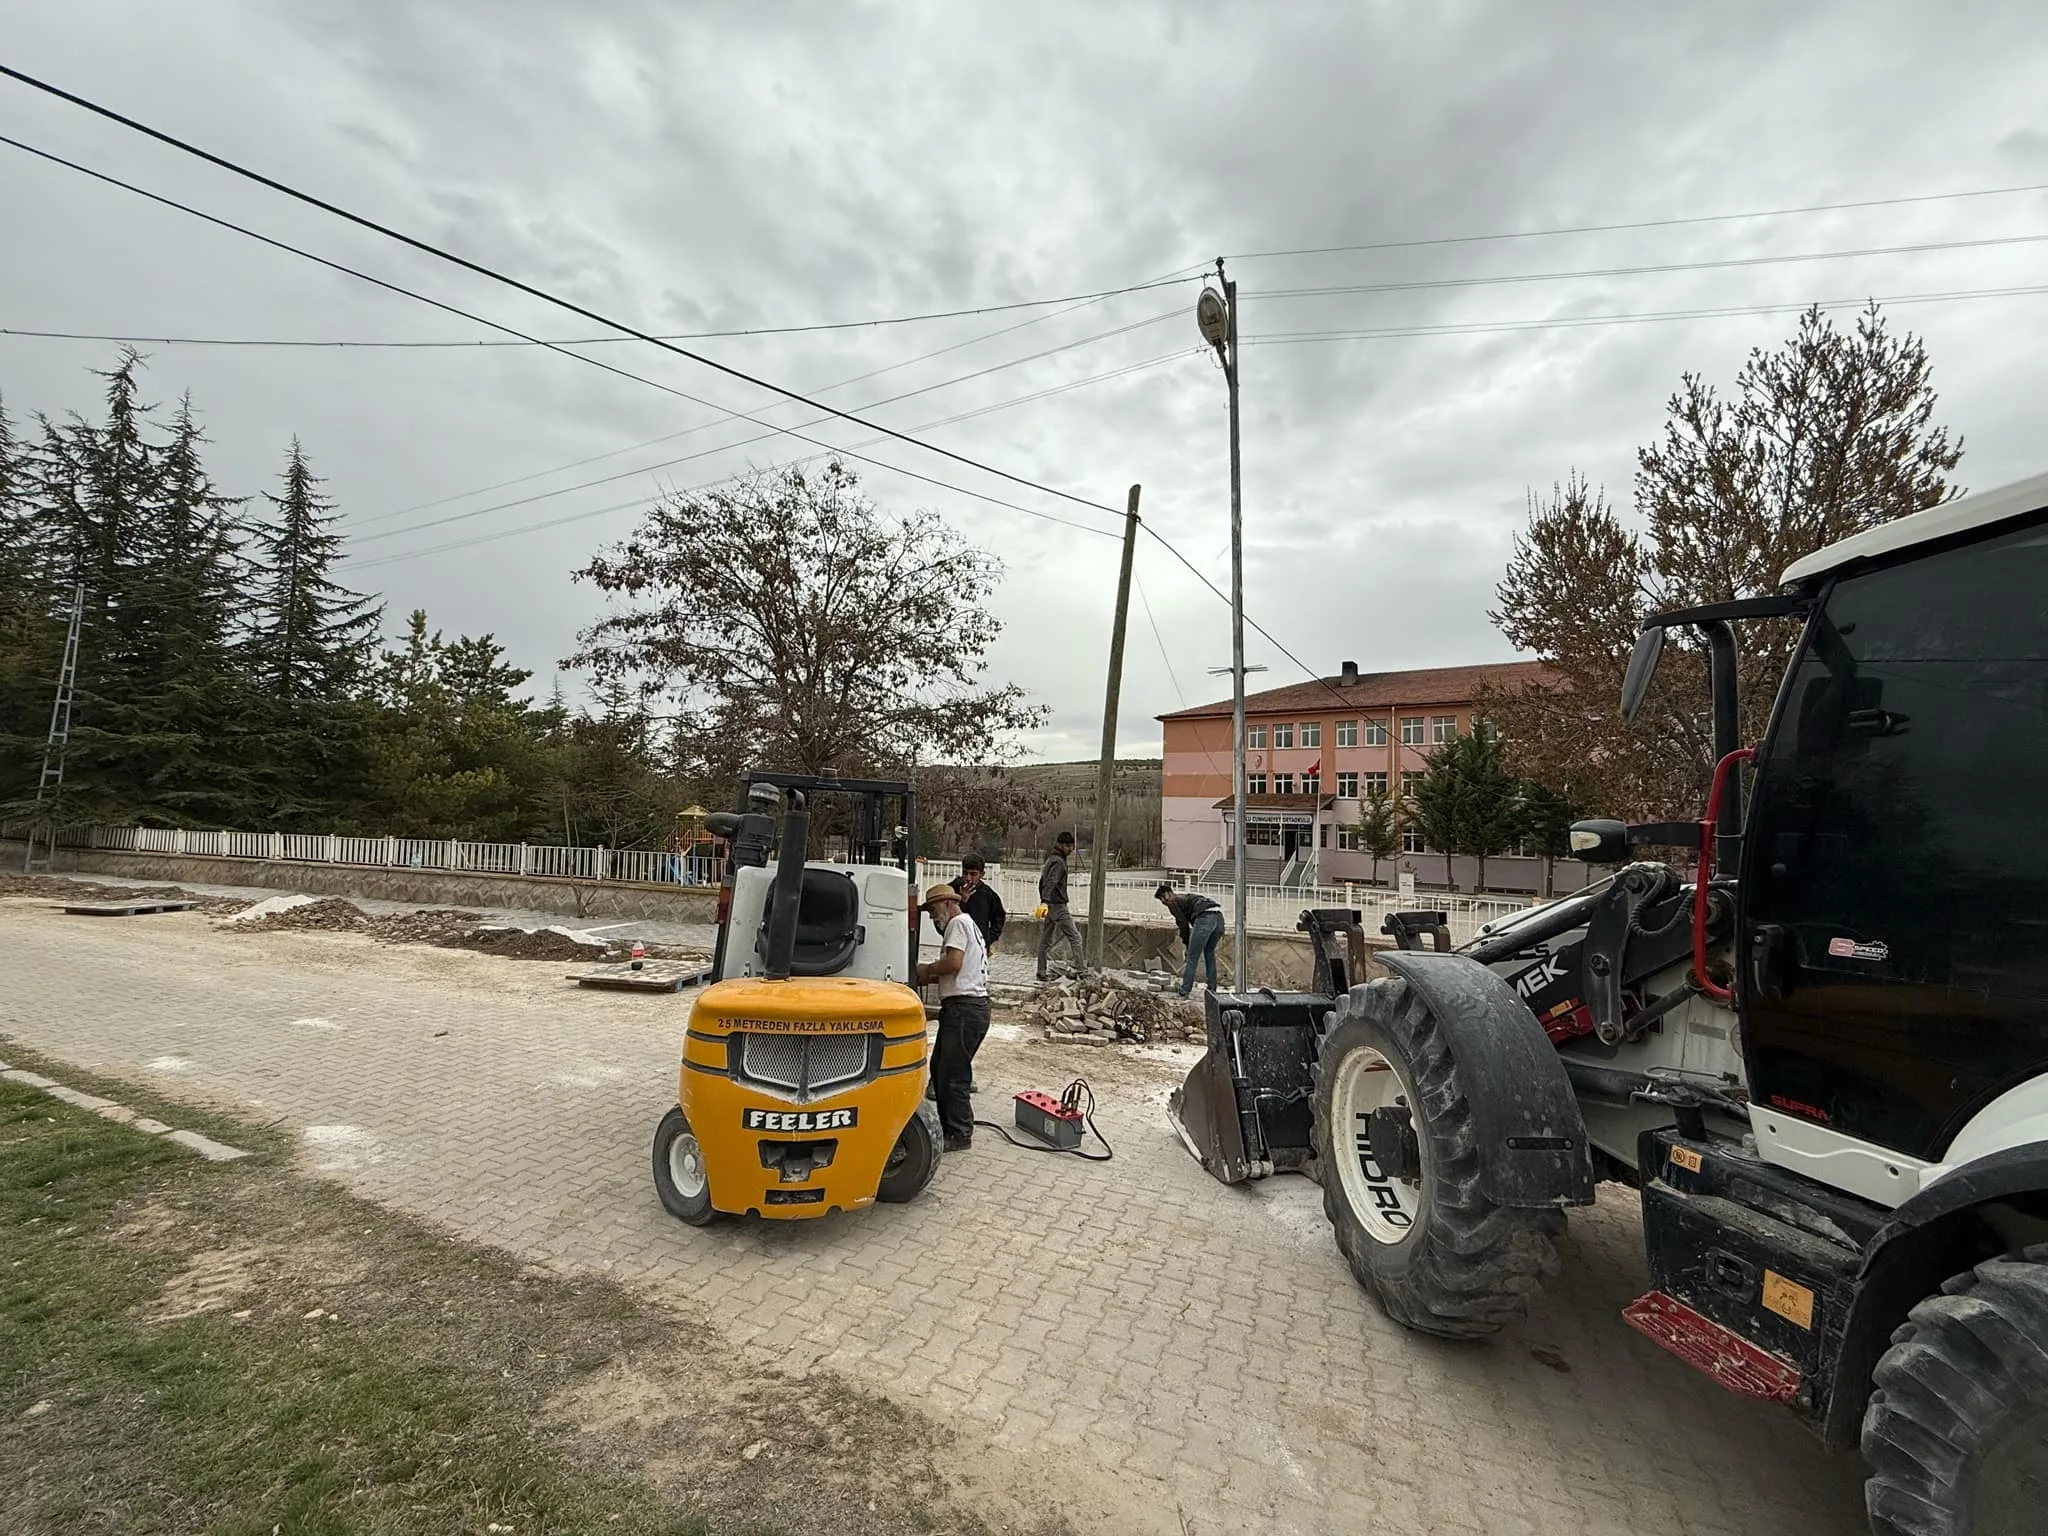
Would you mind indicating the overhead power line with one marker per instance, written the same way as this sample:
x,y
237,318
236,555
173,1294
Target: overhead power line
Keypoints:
x,y
646,501
1670,223
1334,290
486,342
760,437
1569,322
531,291
705,426
229,224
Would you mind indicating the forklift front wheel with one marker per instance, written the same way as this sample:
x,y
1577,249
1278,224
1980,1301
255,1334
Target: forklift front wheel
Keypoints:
x,y
914,1158
679,1172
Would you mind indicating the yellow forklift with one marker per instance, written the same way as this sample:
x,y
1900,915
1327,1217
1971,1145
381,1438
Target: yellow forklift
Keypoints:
x,y
802,1086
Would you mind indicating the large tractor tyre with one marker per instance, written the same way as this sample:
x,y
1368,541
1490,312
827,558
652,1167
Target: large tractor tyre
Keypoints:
x,y
1398,1154
1956,1434
679,1172
914,1158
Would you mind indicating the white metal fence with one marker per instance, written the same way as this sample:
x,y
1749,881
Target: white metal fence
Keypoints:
x,y
1268,908
637,865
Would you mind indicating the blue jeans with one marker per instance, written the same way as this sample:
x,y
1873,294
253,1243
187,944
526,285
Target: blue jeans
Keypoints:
x,y
1203,933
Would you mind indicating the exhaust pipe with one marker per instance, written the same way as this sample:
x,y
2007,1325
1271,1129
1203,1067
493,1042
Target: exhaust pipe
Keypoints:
x,y
780,949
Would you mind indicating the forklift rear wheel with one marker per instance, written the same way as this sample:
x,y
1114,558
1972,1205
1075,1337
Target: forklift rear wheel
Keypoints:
x,y
1409,1216
679,1172
1956,1433
914,1158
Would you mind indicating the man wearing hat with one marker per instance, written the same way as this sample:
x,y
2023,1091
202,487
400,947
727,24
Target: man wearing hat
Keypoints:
x,y
962,974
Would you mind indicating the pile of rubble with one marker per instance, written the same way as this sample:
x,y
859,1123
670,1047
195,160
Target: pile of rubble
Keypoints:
x,y
1107,1006
61,889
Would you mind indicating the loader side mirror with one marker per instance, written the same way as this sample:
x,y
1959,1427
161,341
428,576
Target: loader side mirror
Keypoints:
x,y
1599,842
1642,666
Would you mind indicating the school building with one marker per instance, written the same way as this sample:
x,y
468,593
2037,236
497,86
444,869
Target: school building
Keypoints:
x,y
1313,752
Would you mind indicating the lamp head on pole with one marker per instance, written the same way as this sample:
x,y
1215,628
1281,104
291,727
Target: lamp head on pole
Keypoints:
x,y
1212,318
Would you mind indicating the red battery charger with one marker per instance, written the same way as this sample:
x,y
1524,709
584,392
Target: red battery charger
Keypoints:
x,y
1049,1120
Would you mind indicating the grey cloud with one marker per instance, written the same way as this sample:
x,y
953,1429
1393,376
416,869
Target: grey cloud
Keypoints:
x,y
708,167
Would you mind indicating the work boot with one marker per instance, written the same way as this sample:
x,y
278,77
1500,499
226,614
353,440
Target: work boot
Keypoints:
x,y
958,1143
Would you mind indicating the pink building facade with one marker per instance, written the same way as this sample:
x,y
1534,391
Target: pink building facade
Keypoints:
x,y
1313,753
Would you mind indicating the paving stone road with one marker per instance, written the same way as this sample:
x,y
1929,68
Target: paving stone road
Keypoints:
x,y
1205,1347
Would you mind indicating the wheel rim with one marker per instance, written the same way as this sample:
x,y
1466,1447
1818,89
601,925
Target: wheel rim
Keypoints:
x,y
1386,1208
686,1166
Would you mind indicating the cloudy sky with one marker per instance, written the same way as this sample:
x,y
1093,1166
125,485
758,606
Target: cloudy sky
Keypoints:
x,y
697,167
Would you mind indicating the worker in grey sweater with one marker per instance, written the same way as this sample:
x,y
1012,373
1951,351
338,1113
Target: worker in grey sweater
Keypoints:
x,y
1056,920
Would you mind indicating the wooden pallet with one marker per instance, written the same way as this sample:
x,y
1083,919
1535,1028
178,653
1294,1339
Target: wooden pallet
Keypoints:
x,y
125,908
653,975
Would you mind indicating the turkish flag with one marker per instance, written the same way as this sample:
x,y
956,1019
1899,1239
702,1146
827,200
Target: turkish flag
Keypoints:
x,y
1315,769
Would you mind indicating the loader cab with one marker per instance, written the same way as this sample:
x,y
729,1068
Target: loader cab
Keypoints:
x,y
1892,949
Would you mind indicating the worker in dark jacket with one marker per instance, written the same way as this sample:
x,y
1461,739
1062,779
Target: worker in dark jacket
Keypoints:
x,y
1200,922
978,899
1055,920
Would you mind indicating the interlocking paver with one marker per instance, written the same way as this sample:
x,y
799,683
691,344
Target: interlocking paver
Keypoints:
x,y
1207,1346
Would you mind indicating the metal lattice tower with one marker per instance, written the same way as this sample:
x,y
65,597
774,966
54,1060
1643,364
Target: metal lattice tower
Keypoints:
x,y
50,785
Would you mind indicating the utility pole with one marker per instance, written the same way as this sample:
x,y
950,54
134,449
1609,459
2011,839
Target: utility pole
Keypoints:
x,y
52,781
1105,779
1217,319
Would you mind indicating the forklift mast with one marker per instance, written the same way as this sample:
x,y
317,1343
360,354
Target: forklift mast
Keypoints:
x,y
775,808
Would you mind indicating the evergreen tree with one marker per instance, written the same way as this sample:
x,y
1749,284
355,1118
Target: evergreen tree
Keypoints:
x,y
313,637
1466,802
1547,817
311,643
1379,829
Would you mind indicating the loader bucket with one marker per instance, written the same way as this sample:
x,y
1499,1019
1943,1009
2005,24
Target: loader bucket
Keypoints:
x,y
1244,1110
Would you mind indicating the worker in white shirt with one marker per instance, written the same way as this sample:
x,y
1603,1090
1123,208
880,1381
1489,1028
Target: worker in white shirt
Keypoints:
x,y
962,974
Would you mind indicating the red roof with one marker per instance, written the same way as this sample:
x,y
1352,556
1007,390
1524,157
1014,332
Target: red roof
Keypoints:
x,y
1380,690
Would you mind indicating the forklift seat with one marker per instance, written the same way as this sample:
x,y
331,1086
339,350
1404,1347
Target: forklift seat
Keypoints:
x,y
828,926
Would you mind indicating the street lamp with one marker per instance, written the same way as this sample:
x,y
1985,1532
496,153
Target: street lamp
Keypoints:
x,y
1216,318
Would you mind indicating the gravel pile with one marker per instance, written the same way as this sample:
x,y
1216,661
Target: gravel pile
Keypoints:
x,y
288,914
1099,1009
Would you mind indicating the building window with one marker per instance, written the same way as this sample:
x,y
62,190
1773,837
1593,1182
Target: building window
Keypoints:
x,y
1262,837
1283,783
1348,840
1312,782
1311,733
1486,730
1443,728
1347,733
1375,733
1255,783
1375,784
1255,737
1409,781
1412,841
1283,737
1324,835
1411,731
1347,786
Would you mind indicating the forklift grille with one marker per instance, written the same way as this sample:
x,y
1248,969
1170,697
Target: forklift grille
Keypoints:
x,y
804,1065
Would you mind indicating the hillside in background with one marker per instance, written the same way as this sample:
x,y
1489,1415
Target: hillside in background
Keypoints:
x,y
1134,838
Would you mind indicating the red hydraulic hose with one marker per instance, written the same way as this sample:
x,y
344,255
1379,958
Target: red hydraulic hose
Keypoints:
x,y
1723,771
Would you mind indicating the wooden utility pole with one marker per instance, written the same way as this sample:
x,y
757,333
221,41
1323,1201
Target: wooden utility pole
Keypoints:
x,y
1105,781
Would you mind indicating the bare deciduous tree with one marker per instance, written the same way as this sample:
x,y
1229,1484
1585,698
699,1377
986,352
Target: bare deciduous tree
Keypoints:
x,y
796,625
1830,434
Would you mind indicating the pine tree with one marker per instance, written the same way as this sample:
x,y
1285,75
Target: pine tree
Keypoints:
x,y
311,643
1379,829
313,637
95,485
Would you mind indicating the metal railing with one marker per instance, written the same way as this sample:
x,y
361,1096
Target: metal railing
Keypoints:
x,y
1269,908
623,865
